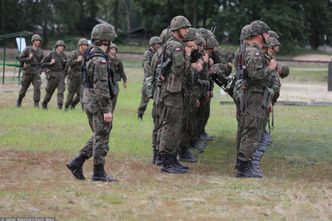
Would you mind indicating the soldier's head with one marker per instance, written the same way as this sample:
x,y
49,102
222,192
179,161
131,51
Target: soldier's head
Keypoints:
x,y
83,44
273,46
35,40
165,35
180,27
211,44
283,70
259,32
205,33
245,33
199,40
155,42
59,45
273,34
102,35
113,49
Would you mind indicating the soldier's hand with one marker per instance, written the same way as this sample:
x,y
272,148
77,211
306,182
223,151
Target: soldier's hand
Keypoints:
x,y
108,117
206,58
30,56
272,64
211,61
270,108
197,103
52,61
187,50
79,58
124,85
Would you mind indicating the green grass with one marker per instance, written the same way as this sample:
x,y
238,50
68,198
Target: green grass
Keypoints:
x,y
308,75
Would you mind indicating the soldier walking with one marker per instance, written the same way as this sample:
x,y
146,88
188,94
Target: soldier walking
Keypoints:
x,y
31,58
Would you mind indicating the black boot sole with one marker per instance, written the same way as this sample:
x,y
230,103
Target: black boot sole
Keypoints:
x,y
74,171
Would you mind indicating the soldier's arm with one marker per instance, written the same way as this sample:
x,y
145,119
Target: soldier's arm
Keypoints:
x,y
147,63
72,60
24,56
180,62
256,65
122,72
101,86
47,60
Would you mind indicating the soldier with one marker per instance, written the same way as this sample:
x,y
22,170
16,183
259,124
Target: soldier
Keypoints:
x,y
98,97
256,108
74,72
55,63
171,96
31,58
154,43
118,71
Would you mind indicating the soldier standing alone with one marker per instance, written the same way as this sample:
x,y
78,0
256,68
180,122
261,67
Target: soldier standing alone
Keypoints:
x,y
31,58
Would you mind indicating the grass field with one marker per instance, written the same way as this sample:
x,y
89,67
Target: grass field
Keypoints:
x,y
36,144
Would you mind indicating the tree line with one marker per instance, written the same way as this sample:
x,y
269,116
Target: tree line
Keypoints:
x,y
299,22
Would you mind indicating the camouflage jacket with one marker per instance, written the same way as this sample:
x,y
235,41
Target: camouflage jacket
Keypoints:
x,y
33,65
98,98
118,70
148,54
60,62
74,67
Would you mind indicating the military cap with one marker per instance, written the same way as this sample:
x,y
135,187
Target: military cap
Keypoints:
x,y
114,46
35,37
273,34
154,40
258,27
103,32
83,41
245,32
272,42
212,43
179,22
60,43
205,33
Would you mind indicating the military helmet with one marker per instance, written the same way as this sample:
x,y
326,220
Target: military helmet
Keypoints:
x,y
154,40
165,35
205,33
211,43
273,34
35,37
103,32
272,42
191,35
83,41
179,22
245,32
258,27
60,43
114,46
283,70
199,40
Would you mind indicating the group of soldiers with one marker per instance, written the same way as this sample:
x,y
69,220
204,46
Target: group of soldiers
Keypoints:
x,y
180,70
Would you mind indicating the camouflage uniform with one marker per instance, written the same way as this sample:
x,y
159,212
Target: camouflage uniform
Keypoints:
x,y
74,77
118,72
98,103
31,72
148,54
55,75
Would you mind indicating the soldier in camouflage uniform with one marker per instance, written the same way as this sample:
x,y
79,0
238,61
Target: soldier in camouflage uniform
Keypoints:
x,y
154,43
98,98
171,96
74,72
118,71
31,58
256,107
55,63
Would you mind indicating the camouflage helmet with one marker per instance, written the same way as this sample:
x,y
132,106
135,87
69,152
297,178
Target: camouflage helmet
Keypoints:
x,y
35,37
60,43
283,70
179,22
103,32
199,40
245,32
211,43
83,41
154,40
165,35
191,35
272,42
205,33
258,27
273,34
114,46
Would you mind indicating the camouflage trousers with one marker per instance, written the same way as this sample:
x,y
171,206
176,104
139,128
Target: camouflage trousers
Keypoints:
x,y
53,83
144,101
115,98
202,114
156,113
189,122
97,145
171,127
75,91
27,79
253,122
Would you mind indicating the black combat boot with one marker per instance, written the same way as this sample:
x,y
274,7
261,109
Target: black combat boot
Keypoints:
x,y
99,174
246,169
36,104
259,153
60,106
140,116
205,136
19,102
187,156
200,145
76,166
154,156
44,105
168,164
66,108
158,159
